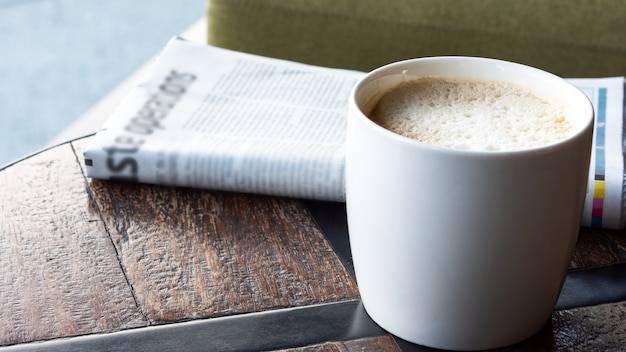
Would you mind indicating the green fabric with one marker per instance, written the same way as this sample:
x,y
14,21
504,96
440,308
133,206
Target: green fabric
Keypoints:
x,y
572,38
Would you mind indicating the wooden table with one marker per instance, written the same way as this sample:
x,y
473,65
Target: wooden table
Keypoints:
x,y
97,265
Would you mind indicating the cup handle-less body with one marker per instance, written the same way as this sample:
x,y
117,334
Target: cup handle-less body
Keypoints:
x,y
458,249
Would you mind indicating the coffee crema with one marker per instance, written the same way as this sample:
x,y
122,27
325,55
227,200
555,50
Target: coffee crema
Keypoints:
x,y
472,114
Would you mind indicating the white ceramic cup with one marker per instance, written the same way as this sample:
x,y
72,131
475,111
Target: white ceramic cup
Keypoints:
x,y
458,249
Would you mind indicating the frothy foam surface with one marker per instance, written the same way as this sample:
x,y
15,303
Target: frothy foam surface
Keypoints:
x,y
473,115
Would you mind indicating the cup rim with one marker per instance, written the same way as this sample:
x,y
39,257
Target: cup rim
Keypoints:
x,y
399,67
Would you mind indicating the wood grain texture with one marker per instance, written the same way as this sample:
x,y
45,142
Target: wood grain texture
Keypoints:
x,y
598,247
59,273
591,329
379,343
193,254
83,257
368,344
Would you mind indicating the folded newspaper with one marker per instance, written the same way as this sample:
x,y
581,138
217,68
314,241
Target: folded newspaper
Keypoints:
x,y
211,118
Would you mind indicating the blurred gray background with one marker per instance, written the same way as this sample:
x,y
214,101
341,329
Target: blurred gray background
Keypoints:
x,y
59,57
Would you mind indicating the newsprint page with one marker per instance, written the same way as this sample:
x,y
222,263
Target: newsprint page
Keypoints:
x,y
210,118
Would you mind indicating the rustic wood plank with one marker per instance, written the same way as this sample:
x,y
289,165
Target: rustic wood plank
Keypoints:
x,y
59,272
597,328
193,254
366,344
323,347
598,247
378,343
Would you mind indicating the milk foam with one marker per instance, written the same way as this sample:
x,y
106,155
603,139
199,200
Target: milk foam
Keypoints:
x,y
473,115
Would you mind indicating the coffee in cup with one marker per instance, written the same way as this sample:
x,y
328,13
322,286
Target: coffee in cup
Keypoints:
x,y
464,244
473,115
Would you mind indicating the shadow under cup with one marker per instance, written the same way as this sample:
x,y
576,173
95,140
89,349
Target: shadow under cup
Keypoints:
x,y
461,249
